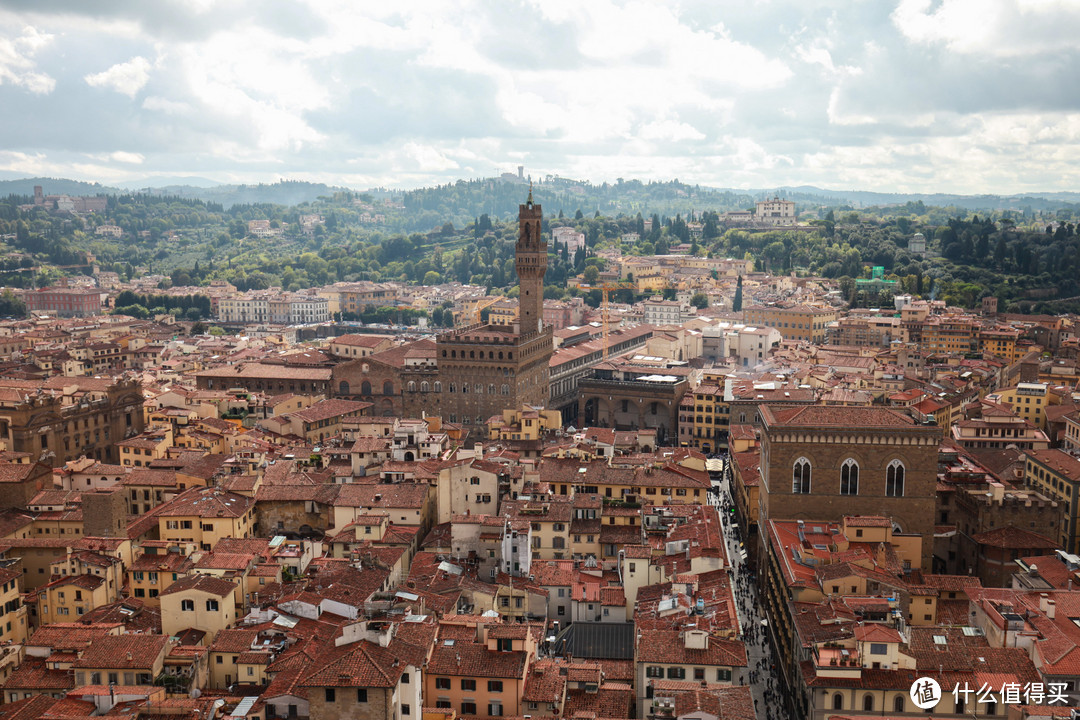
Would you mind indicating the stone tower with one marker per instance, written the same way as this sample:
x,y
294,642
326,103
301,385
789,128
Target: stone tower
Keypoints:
x,y
530,260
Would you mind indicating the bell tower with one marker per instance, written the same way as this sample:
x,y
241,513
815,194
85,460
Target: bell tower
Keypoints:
x,y
530,260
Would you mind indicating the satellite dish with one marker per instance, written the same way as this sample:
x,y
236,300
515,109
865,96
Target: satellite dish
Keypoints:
x,y
195,692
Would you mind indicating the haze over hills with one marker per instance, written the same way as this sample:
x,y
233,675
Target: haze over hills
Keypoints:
x,y
293,192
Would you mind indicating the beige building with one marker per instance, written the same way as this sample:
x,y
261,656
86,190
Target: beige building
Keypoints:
x,y
468,487
205,515
199,602
65,599
690,655
13,614
122,660
797,322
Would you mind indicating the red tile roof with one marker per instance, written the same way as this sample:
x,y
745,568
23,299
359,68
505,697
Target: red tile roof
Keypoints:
x,y
123,652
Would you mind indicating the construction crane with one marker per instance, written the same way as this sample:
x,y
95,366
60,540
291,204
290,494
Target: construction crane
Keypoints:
x,y
605,311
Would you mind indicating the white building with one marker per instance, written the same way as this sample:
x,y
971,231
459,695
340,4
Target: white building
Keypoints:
x,y
666,312
775,212
749,345
568,236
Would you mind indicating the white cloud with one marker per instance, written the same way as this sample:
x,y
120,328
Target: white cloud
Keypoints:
x,y
126,78
127,157
917,94
167,106
1003,28
671,130
17,64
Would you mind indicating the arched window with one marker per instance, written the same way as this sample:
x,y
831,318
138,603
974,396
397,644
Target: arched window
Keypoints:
x,y
491,388
451,387
505,390
800,476
464,388
388,388
849,477
479,389
837,702
425,386
894,479
868,703
343,388
412,386
438,386
898,704
365,388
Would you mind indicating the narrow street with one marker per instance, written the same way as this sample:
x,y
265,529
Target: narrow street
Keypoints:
x,y
760,674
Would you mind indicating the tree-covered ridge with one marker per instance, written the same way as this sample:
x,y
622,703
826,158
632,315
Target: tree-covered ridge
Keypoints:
x,y
1028,257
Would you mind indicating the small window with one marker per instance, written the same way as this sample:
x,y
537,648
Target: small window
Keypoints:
x,y
331,695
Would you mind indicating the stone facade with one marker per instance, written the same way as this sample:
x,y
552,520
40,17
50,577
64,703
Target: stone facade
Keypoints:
x,y
105,513
803,453
980,509
484,369
67,418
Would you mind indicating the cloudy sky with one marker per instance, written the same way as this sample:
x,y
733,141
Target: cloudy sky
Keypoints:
x,y
909,95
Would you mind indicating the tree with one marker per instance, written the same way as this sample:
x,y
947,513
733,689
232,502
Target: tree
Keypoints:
x,y
432,278
590,274
700,301
830,223
198,328
736,304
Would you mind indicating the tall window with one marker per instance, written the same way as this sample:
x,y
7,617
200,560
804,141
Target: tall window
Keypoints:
x,y
800,476
894,479
849,477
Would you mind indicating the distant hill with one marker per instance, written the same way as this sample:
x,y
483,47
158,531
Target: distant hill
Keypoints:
x,y
285,192
54,186
460,202
862,198
159,181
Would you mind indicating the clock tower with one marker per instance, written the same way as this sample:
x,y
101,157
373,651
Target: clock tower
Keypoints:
x,y
530,260
481,369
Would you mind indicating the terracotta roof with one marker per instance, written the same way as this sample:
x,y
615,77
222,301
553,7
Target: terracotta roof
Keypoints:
x,y
1011,537
123,652
204,583
834,416
668,646
206,503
